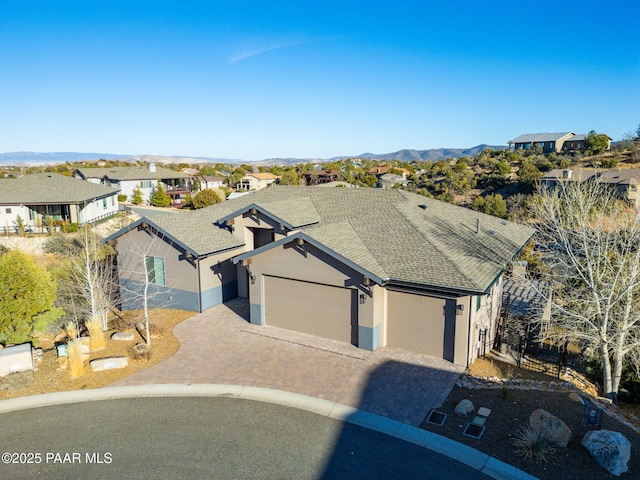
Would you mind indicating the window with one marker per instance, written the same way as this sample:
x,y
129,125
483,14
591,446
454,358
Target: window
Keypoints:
x,y
104,203
478,302
155,270
8,210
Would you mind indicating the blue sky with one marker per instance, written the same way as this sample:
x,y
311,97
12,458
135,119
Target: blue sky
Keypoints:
x,y
311,79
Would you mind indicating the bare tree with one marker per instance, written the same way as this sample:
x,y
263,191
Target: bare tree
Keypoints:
x,y
87,283
593,239
141,271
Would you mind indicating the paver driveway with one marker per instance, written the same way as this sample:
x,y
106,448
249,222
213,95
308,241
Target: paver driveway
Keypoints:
x,y
220,346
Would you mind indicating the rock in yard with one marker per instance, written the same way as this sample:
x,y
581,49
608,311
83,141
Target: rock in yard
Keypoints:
x,y
551,427
610,449
576,398
123,336
465,407
108,363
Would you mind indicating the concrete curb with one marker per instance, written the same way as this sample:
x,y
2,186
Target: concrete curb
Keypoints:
x,y
469,456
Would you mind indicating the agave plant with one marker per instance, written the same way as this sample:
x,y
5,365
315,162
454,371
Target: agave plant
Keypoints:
x,y
530,443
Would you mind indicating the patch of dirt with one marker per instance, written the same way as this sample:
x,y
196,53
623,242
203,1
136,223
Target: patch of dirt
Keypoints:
x,y
510,411
48,376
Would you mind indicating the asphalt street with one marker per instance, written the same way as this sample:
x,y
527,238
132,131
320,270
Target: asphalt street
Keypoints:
x,y
205,438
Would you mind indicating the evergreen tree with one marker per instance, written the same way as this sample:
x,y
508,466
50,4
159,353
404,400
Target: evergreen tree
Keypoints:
x,y
137,197
160,198
206,198
27,296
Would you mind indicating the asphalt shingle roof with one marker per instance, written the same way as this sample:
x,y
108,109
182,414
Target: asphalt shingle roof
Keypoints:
x,y
395,235
50,188
539,137
130,173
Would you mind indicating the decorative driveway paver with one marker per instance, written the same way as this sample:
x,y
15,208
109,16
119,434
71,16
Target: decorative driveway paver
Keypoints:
x,y
220,346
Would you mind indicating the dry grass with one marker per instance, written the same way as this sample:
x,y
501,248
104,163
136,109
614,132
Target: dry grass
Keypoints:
x,y
74,353
96,335
72,330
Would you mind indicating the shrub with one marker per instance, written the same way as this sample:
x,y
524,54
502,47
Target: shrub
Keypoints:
x,y
530,443
122,198
140,351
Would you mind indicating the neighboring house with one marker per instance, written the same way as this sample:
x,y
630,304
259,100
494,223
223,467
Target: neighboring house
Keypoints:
x,y
548,142
381,170
390,180
320,177
210,182
256,181
552,177
370,267
577,142
624,181
61,198
127,179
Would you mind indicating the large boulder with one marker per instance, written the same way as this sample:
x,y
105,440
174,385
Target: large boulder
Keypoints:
x,y
550,427
108,363
610,449
464,408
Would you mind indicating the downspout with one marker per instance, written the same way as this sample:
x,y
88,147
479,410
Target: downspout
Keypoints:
x,y
199,286
469,332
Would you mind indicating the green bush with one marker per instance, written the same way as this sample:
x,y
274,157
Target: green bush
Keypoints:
x,y
122,198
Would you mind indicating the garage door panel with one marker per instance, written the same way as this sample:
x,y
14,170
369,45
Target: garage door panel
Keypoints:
x,y
415,323
321,310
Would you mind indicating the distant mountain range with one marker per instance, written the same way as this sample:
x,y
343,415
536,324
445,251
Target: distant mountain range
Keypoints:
x,y
39,158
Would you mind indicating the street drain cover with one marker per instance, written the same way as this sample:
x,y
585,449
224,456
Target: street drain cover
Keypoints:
x,y
472,430
436,418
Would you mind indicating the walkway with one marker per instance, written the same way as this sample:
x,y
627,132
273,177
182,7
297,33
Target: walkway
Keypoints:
x,y
219,346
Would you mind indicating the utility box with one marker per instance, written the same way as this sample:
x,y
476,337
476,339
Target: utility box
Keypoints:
x,y
15,359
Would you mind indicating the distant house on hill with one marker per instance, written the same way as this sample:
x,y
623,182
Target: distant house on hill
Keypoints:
x,y
210,181
381,170
319,177
36,197
551,142
256,181
127,179
548,142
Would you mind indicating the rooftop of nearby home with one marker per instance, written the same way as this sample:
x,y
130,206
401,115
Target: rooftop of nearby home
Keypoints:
x,y
395,235
131,173
540,137
50,188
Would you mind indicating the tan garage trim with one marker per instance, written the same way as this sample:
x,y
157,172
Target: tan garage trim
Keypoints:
x,y
317,309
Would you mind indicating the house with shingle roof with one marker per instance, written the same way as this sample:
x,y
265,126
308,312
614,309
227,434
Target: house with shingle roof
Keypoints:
x,y
61,198
256,181
624,181
370,267
548,142
144,178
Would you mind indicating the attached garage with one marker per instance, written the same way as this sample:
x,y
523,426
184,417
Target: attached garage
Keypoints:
x,y
317,309
416,323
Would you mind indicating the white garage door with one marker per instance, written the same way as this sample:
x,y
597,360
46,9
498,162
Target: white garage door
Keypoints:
x,y
313,308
